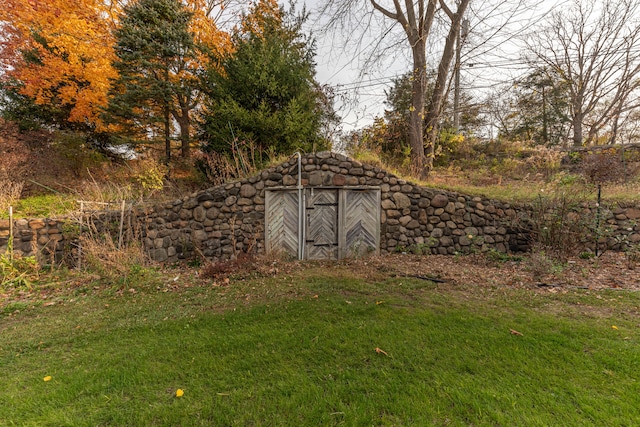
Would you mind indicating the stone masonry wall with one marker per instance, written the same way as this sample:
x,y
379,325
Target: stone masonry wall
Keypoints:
x,y
42,237
220,222
223,221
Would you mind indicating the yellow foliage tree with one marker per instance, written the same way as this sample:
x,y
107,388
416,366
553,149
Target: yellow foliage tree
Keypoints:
x,y
60,53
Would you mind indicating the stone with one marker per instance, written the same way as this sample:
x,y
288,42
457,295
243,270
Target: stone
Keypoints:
x,y
401,200
392,213
190,204
405,220
471,231
200,235
633,213
439,201
446,241
327,178
450,208
199,214
288,180
422,216
247,191
413,224
159,255
464,241
36,224
339,180
352,180
477,221
212,213
315,178
489,229
387,204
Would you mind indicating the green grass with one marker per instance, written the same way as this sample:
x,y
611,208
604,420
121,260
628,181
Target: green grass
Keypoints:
x,y
299,350
44,206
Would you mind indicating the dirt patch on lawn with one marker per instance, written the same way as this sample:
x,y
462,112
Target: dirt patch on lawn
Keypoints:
x,y
610,271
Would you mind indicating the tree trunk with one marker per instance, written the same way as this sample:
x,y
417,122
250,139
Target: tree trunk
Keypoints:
x,y
437,97
577,129
167,135
416,114
184,121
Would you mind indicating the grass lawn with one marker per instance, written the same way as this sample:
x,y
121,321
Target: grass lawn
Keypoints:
x,y
320,345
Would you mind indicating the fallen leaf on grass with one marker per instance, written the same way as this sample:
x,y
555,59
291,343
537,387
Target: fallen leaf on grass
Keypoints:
x,y
614,327
514,332
381,351
179,392
47,378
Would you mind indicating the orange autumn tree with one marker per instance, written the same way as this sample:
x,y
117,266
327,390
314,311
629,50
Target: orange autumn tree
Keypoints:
x,y
58,53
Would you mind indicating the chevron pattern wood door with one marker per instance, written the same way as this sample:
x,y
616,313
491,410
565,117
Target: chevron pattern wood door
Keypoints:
x,y
360,223
281,235
322,224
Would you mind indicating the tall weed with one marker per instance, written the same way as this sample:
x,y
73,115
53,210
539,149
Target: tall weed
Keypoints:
x,y
559,224
10,192
17,271
245,159
103,256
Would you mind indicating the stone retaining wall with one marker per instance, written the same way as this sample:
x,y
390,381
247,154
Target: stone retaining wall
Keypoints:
x,y
223,221
34,236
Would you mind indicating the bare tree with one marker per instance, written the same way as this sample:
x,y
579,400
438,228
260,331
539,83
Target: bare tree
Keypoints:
x,y
416,18
416,21
430,29
438,94
595,48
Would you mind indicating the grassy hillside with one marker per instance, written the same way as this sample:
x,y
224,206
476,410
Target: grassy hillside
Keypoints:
x,y
45,173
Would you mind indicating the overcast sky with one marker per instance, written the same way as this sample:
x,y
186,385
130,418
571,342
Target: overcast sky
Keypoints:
x,y
488,60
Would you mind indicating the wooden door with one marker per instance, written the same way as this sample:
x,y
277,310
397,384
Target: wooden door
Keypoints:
x,y
360,222
321,224
281,220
